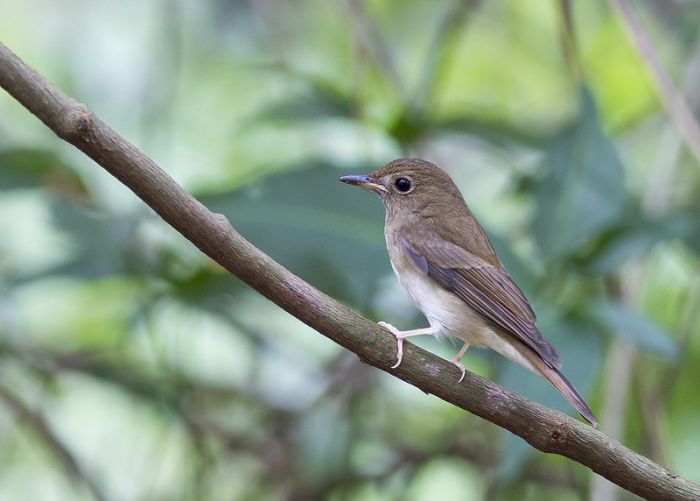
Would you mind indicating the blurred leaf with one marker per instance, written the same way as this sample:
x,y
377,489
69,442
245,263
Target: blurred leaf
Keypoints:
x,y
686,226
635,328
581,349
327,232
445,478
319,101
582,191
636,235
105,242
30,168
323,447
408,127
208,287
230,16
495,130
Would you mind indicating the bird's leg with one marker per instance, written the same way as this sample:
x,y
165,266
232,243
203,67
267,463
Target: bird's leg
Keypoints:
x,y
401,335
457,360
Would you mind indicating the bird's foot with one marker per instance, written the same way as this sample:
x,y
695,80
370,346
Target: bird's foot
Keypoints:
x,y
399,341
457,360
459,365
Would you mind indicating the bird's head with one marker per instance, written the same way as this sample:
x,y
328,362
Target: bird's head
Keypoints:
x,y
411,186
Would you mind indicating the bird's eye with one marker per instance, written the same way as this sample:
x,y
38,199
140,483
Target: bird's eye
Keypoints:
x,y
402,184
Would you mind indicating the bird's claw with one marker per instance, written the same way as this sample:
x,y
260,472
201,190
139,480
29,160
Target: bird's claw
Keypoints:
x,y
390,328
461,369
399,341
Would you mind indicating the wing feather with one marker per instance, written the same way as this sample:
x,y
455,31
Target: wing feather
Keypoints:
x,y
487,289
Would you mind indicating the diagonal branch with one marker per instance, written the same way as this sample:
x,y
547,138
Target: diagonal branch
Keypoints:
x,y
62,453
545,429
372,42
676,106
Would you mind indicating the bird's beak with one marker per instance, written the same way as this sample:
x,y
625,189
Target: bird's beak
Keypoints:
x,y
365,181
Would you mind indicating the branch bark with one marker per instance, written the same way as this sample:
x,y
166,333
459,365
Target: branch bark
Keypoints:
x,y
679,112
545,429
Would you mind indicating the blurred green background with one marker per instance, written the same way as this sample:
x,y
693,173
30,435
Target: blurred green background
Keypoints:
x,y
132,367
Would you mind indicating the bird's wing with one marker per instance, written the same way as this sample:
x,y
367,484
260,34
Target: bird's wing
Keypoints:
x,y
486,288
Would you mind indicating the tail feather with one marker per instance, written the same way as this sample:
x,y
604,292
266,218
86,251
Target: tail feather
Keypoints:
x,y
563,385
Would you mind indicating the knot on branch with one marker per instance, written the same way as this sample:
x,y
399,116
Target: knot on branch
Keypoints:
x,y
77,125
222,222
558,436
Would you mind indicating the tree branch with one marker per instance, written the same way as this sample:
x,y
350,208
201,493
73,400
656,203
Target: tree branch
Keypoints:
x,y
673,101
545,429
54,444
372,42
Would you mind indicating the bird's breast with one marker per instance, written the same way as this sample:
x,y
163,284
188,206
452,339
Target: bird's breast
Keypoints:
x,y
445,312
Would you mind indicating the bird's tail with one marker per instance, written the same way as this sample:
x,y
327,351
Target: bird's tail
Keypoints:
x,y
563,385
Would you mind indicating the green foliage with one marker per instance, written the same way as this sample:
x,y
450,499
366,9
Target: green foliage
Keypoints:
x,y
127,340
636,235
320,101
635,328
26,167
105,242
582,191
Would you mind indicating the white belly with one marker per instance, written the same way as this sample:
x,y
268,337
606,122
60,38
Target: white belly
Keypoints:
x,y
452,317
445,312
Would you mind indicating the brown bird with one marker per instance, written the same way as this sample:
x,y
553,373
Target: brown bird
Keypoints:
x,y
446,263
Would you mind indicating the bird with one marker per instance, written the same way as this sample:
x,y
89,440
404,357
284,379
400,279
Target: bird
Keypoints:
x,y
445,261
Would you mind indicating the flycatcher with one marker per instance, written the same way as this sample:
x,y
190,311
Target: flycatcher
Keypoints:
x,y
446,263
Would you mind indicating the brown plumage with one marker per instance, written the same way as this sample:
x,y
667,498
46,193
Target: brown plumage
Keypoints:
x,y
448,266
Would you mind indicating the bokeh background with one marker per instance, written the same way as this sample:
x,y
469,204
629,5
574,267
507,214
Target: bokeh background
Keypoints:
x,y
133,368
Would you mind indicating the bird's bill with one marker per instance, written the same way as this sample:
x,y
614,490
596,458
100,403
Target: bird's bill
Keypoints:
x,y
364,181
